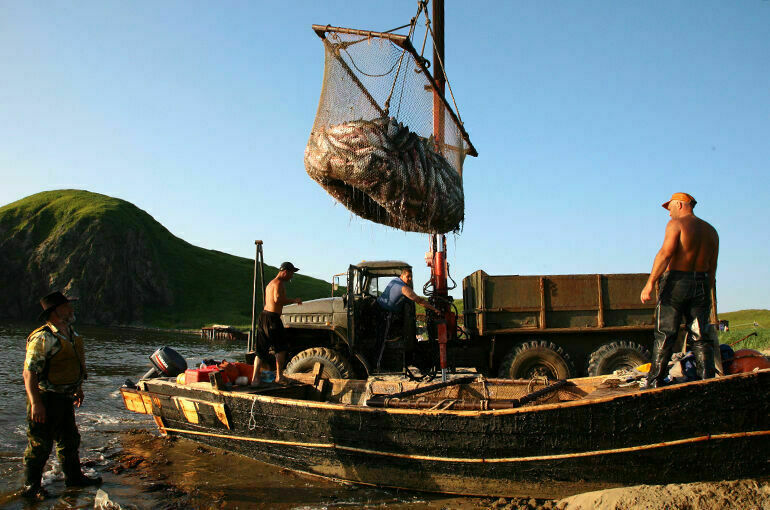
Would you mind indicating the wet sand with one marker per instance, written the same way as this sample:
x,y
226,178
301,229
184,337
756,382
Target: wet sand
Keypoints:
x,y
167,473
738,494
178,473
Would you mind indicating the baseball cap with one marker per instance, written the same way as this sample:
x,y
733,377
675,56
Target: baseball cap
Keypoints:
x,y
682,197
288,266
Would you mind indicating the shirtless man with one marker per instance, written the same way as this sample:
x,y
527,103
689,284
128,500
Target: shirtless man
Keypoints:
x,y
689,258
270,332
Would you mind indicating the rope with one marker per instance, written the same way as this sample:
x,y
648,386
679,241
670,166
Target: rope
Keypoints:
x,y
252,421
424,40
350,57
402,26
393,87
411,26
543,379
443,69
443,405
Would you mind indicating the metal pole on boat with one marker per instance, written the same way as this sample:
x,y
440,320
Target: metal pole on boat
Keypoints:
x,y
438,135
259,259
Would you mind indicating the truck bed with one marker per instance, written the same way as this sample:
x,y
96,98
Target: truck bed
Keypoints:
x,y
566,303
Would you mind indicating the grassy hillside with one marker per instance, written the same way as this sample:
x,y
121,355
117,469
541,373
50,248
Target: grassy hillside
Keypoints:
x,y
112,254
744,322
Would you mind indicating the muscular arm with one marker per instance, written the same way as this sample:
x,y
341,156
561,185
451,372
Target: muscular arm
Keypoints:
x,y
713,264
663,257
409,293
33,393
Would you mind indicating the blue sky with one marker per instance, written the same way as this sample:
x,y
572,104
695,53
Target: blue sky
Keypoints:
x,y
586,115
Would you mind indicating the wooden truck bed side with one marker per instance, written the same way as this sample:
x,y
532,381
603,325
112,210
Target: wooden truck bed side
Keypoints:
x,y
555,303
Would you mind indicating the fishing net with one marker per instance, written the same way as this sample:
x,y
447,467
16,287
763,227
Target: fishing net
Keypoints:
x,y
374,146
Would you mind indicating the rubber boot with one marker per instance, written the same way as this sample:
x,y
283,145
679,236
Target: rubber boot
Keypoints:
x,y
659,366
74,477
33,488
704,358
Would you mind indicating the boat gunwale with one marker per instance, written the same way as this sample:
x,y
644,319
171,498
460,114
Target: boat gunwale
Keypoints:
x,y
295,402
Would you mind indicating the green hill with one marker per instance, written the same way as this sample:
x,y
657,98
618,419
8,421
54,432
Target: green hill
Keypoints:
x,y
125,267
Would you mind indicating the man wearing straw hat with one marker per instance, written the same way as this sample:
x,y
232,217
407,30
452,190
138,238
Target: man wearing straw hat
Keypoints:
x,y
54,371
686,265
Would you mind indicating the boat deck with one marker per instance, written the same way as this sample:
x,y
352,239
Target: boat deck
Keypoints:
x,y
463,391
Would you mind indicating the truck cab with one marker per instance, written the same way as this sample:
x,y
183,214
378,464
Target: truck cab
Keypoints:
x,y
340,331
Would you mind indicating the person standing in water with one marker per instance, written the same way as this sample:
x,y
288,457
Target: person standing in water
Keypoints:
x,y
54,371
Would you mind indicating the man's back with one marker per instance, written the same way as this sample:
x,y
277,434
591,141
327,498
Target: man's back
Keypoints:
x,y
697,247
273,294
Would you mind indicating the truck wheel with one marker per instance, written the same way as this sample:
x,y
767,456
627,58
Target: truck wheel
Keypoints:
x,y
335,365
536,358
615,356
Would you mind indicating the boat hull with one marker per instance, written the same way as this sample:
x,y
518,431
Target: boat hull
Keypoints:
x,y
708,430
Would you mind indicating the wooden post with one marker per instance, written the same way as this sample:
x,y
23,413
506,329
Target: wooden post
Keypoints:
x,y
318,371
321,384
600,318
542,303
251,346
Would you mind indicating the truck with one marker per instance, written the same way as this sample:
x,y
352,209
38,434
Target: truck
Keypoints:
x,y
512,326
559,325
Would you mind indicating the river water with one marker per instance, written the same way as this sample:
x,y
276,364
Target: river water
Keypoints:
x,y
142,470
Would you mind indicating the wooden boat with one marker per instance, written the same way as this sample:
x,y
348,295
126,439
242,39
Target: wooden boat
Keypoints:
x,y
480,437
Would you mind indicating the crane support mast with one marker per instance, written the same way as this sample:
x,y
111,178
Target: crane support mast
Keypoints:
x,y
436,257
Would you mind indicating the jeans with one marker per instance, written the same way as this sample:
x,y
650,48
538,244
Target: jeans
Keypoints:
x,y
683,295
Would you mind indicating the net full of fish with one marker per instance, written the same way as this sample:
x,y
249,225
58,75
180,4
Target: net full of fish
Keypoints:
x,y
382,171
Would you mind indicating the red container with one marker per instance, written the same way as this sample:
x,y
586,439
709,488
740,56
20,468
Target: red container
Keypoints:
x,y
193,375
746,360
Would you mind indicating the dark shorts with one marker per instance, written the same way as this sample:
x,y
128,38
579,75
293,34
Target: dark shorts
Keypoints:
x,y
270,333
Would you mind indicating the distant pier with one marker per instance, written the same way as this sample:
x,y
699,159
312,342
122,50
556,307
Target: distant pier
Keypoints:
x,y
220,332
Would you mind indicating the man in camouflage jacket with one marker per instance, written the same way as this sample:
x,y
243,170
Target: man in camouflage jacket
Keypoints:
x,y
54,370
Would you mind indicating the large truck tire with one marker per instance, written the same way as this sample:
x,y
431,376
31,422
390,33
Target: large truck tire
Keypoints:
x,y
536,358
335,365
617,355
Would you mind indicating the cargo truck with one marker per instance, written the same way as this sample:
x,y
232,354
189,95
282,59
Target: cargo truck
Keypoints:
x,y
555,326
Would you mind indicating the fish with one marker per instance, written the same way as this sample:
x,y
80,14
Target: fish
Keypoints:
x,y
382,171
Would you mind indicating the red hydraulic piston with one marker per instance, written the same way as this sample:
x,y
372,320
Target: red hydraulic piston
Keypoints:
x,y
442,339
436,259
439,273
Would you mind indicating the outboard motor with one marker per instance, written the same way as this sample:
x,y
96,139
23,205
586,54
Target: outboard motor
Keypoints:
x,y
166,362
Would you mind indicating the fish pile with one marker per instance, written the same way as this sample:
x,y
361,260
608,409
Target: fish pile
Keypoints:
x,y
382,171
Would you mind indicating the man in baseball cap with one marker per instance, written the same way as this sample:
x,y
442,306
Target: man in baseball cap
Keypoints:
x,y
270,332
686,265
681,197
288,266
